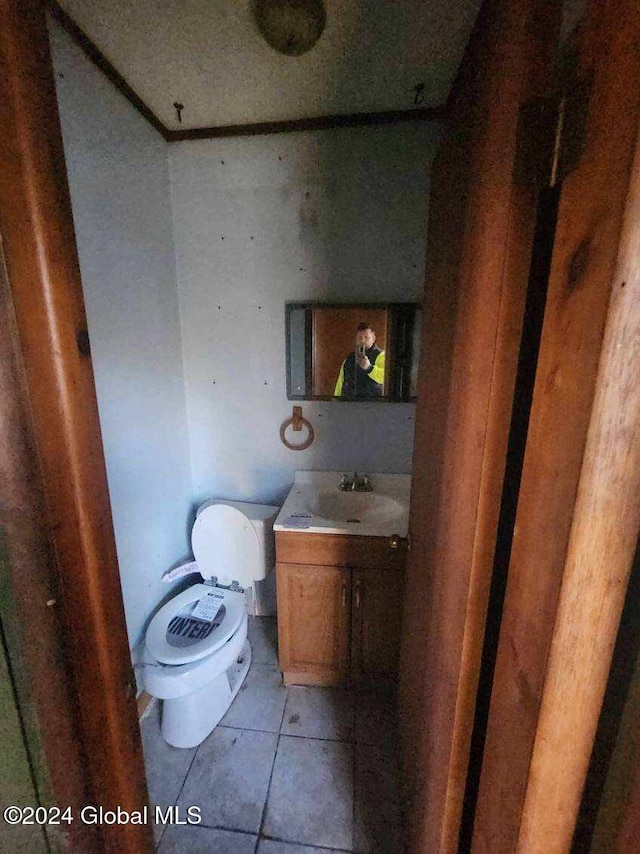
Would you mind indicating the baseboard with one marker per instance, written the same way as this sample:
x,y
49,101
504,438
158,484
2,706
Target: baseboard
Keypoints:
x,y
144,702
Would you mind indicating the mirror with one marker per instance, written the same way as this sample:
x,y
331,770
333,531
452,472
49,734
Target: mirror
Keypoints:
x,y
352,352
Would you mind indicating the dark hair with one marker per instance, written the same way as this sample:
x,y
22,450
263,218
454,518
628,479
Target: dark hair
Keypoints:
x,y
361,327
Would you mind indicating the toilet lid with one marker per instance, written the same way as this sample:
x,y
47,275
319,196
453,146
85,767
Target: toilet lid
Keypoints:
x,y
225,545
174,636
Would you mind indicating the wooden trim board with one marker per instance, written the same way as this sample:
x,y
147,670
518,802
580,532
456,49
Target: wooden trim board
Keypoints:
x,y
31,630
479,248
95,55
143,703
557,461
338,550
46,290
438,113
347,120
604,532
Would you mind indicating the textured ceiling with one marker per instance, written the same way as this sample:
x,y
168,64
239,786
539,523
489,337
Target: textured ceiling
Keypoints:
x,y
209,56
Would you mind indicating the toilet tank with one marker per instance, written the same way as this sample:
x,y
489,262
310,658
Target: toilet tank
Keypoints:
x,y
262,517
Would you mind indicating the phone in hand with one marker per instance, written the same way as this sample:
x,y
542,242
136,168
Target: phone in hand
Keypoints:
x,y
361,351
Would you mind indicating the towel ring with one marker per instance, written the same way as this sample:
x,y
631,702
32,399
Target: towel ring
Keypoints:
x,y
297,421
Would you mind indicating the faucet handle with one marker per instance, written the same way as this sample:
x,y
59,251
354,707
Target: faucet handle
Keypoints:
x,y
365,484
345,483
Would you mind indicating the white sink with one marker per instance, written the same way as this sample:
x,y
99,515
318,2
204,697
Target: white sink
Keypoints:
x,y
355,508
315,504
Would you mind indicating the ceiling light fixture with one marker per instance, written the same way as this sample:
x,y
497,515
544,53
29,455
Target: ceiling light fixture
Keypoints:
x,y
291,27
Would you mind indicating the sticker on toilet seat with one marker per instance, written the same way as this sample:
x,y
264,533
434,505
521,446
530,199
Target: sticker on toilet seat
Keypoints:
x,y
208,606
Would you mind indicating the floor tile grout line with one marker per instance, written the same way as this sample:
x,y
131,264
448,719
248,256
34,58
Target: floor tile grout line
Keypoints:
x,y
318,738
298,735
293,734
226,829
307,738
351,740
305,844
273,765
266,799
283,839
177,798
354,713
284,711
193,759
353,792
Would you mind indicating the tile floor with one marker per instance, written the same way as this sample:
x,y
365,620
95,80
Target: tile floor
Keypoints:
x,y
287,771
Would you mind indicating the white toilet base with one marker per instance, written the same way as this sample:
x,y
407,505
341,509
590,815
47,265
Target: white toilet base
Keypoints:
x,y
188,720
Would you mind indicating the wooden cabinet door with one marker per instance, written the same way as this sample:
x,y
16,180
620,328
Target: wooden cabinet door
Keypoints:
x,y
314,605
377,614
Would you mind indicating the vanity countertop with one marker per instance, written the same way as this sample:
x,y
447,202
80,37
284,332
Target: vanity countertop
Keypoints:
x,y
315,504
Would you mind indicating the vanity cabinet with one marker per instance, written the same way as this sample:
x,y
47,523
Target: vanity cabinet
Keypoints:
x,y
376,614
339,609
313,623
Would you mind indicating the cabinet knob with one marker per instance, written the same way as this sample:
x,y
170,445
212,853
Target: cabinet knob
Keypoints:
x,y
344,595
357,594
398,542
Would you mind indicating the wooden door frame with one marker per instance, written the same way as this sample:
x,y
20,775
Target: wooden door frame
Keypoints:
x,y
481,231
29,621
63,453
563,599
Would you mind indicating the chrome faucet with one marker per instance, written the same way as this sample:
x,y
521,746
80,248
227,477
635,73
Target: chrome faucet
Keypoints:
x,y
364,484
358,484
346,485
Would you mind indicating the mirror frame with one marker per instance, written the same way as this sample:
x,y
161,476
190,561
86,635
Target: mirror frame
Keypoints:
x,y
402,320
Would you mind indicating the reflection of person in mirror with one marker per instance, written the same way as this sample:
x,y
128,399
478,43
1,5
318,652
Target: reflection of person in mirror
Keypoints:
x,y
362,372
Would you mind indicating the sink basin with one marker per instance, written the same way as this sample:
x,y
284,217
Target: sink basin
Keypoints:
x,y
355,507
316,505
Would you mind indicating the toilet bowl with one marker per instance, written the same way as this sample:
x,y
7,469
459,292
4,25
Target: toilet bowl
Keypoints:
x,y
196,652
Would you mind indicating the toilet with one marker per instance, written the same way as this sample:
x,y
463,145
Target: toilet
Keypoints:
x,y
196,662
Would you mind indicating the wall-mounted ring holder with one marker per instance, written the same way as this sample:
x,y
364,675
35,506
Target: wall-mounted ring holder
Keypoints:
x,y
297,422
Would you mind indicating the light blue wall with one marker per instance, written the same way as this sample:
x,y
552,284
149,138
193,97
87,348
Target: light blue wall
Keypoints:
x,y
119,185
326,215
335,215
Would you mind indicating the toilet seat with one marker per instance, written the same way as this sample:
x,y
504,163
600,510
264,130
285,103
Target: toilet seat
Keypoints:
x,y
189,631
225,545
